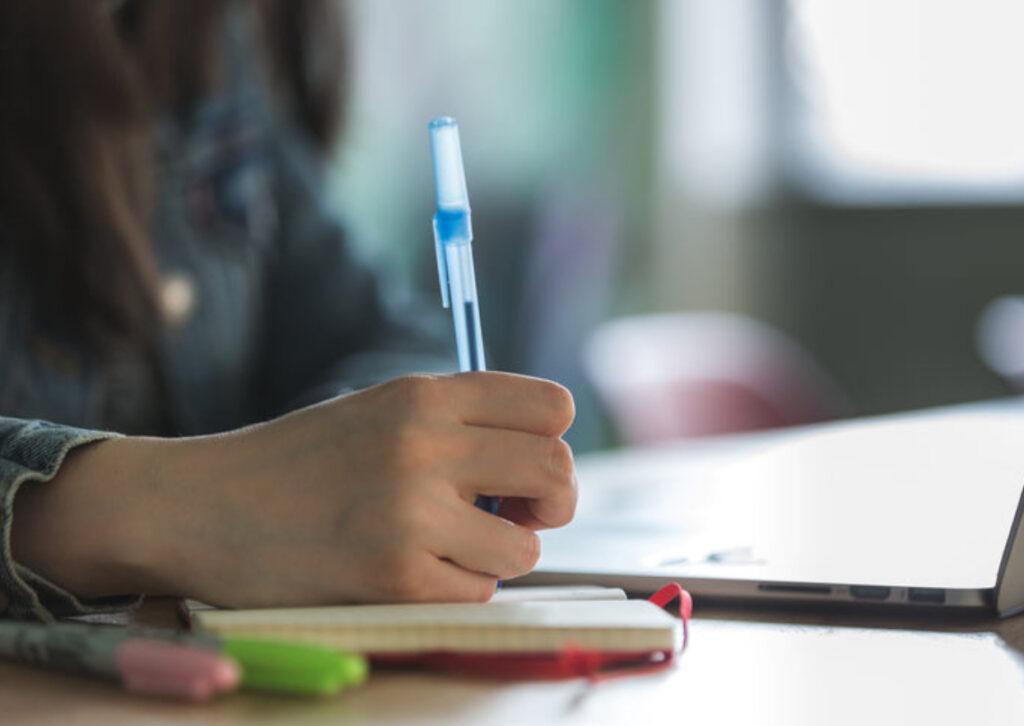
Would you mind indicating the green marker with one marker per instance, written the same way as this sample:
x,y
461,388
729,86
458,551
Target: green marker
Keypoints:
x,y
272,665
267,664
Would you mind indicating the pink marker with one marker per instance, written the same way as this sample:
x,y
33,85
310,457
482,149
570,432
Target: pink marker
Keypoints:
x,y
172,668
154,668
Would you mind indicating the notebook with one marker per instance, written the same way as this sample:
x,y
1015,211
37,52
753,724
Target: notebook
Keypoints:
x,y
543,632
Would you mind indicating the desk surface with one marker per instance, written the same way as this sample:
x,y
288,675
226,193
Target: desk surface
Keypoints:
x,y
743,666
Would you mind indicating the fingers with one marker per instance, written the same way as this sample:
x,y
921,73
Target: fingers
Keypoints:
x,y
495,400
519,511
445,549
420,451
536,469
468,552
487,544
508,449
504,400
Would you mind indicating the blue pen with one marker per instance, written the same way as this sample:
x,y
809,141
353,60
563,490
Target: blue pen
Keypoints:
x,y
453,237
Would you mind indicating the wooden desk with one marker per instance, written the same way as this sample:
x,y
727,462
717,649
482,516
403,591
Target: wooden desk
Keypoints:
x,y
742,667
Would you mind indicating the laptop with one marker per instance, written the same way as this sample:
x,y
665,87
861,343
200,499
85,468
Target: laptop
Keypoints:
x,y
912,510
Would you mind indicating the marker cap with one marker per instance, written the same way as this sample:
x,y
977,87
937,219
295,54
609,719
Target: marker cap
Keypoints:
x,y
269,665
158,668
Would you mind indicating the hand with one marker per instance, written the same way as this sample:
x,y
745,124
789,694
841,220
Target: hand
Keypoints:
x,y
363,498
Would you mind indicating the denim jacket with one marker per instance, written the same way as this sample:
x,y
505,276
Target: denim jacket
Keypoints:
x,y
283,311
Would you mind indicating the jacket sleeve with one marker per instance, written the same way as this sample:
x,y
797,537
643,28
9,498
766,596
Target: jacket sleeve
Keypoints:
x,y
330,324
31,452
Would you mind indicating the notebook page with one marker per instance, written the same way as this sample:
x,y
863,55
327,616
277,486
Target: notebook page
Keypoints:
x,y
558,592
505,594
513,627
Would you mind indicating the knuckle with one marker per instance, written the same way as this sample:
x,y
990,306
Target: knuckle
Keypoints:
x,y
411,449
418,392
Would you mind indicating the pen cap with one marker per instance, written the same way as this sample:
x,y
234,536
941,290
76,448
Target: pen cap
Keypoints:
x,y
449,175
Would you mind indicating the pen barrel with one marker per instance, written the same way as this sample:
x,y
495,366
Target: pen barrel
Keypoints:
x,y
86,650
465,306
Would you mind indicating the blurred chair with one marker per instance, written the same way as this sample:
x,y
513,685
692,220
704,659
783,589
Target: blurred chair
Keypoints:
x,y
1000,338
677,375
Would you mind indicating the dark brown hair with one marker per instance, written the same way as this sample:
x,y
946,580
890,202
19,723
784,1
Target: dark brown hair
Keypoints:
x,y
80,82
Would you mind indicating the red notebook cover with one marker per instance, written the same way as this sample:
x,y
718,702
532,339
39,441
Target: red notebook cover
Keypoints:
x,y
569,663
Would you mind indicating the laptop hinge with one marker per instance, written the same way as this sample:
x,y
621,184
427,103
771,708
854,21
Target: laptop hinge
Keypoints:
x,y
1009,592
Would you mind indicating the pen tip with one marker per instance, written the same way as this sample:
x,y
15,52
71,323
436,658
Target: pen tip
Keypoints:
x,y
442,121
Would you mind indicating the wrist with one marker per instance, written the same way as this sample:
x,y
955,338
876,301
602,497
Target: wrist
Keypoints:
x,y
91,529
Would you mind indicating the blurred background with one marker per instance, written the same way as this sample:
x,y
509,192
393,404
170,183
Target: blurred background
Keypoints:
x,y
705,216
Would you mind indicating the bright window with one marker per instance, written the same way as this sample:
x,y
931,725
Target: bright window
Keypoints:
x,y
906,100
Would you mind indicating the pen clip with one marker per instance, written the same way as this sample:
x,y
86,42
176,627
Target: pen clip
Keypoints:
x,y
442,265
